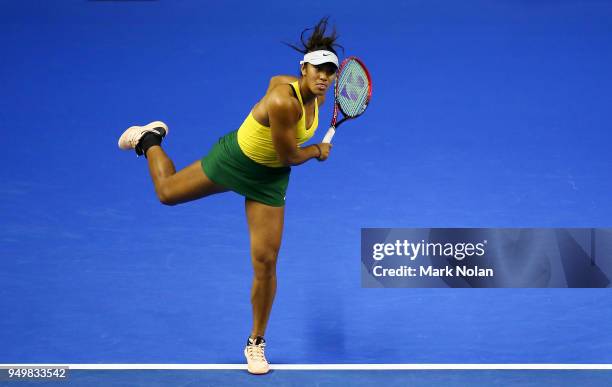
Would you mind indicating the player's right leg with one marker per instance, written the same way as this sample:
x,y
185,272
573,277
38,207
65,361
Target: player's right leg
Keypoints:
x,y
171,187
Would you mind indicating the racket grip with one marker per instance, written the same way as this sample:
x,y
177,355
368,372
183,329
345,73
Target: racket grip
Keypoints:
x,y
329,135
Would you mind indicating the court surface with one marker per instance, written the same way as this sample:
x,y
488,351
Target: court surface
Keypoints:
x,y
484,114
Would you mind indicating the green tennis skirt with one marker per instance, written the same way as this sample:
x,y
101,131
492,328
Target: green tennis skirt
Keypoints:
x,y
228,166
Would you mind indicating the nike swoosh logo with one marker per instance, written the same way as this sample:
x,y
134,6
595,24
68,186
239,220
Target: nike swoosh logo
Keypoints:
x,y
325,54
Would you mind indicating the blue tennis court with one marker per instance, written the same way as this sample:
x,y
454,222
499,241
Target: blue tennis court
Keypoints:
x,y
483,114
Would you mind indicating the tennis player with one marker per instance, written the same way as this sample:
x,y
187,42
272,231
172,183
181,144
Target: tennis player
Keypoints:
x,y
254,161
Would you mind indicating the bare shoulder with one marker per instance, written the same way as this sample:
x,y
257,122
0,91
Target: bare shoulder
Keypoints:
x,y
280,80
280,100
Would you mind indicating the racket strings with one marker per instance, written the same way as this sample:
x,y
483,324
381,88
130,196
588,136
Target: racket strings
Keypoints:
x,y
353,88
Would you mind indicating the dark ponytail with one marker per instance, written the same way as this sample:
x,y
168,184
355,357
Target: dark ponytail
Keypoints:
x,y
318,40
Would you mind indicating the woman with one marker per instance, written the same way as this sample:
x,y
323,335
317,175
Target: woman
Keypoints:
x,y
254,161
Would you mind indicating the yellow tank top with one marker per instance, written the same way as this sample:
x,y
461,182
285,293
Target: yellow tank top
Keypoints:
x,y
255,140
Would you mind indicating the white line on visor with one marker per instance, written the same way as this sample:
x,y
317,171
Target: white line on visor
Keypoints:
x,y
319,57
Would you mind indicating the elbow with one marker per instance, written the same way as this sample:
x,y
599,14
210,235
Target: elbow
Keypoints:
x,y
287,161
289,158
295,158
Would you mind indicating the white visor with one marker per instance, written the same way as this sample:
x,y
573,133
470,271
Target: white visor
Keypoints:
x,y
320,57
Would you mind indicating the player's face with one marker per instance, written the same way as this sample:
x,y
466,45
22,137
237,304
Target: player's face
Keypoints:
x,y
319,78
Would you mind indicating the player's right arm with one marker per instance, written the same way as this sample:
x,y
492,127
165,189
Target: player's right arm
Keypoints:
x,y
284,113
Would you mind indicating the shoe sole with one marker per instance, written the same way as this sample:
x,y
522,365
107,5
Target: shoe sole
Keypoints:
x,y
147,128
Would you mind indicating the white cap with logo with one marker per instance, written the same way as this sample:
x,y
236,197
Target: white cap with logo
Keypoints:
x,y
320,57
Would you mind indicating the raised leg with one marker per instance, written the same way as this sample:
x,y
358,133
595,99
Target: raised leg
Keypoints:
x,y
174,187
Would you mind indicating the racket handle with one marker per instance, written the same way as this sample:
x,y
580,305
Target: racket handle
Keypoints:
x,y
329,135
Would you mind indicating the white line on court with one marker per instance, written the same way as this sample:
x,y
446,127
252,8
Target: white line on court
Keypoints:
x,y
321,367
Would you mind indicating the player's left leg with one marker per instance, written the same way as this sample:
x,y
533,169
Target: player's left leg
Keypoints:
x,y
172,187
265,231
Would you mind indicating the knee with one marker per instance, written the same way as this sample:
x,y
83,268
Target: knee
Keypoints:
x,y
165,196
166,201
264,261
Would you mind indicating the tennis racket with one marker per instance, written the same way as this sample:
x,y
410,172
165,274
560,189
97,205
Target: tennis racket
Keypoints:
x,y
352,93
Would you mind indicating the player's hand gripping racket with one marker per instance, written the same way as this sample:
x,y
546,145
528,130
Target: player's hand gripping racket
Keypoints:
x,y
352,93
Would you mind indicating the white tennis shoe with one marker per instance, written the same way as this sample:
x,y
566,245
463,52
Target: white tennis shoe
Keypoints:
x,y
132,135
256,358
